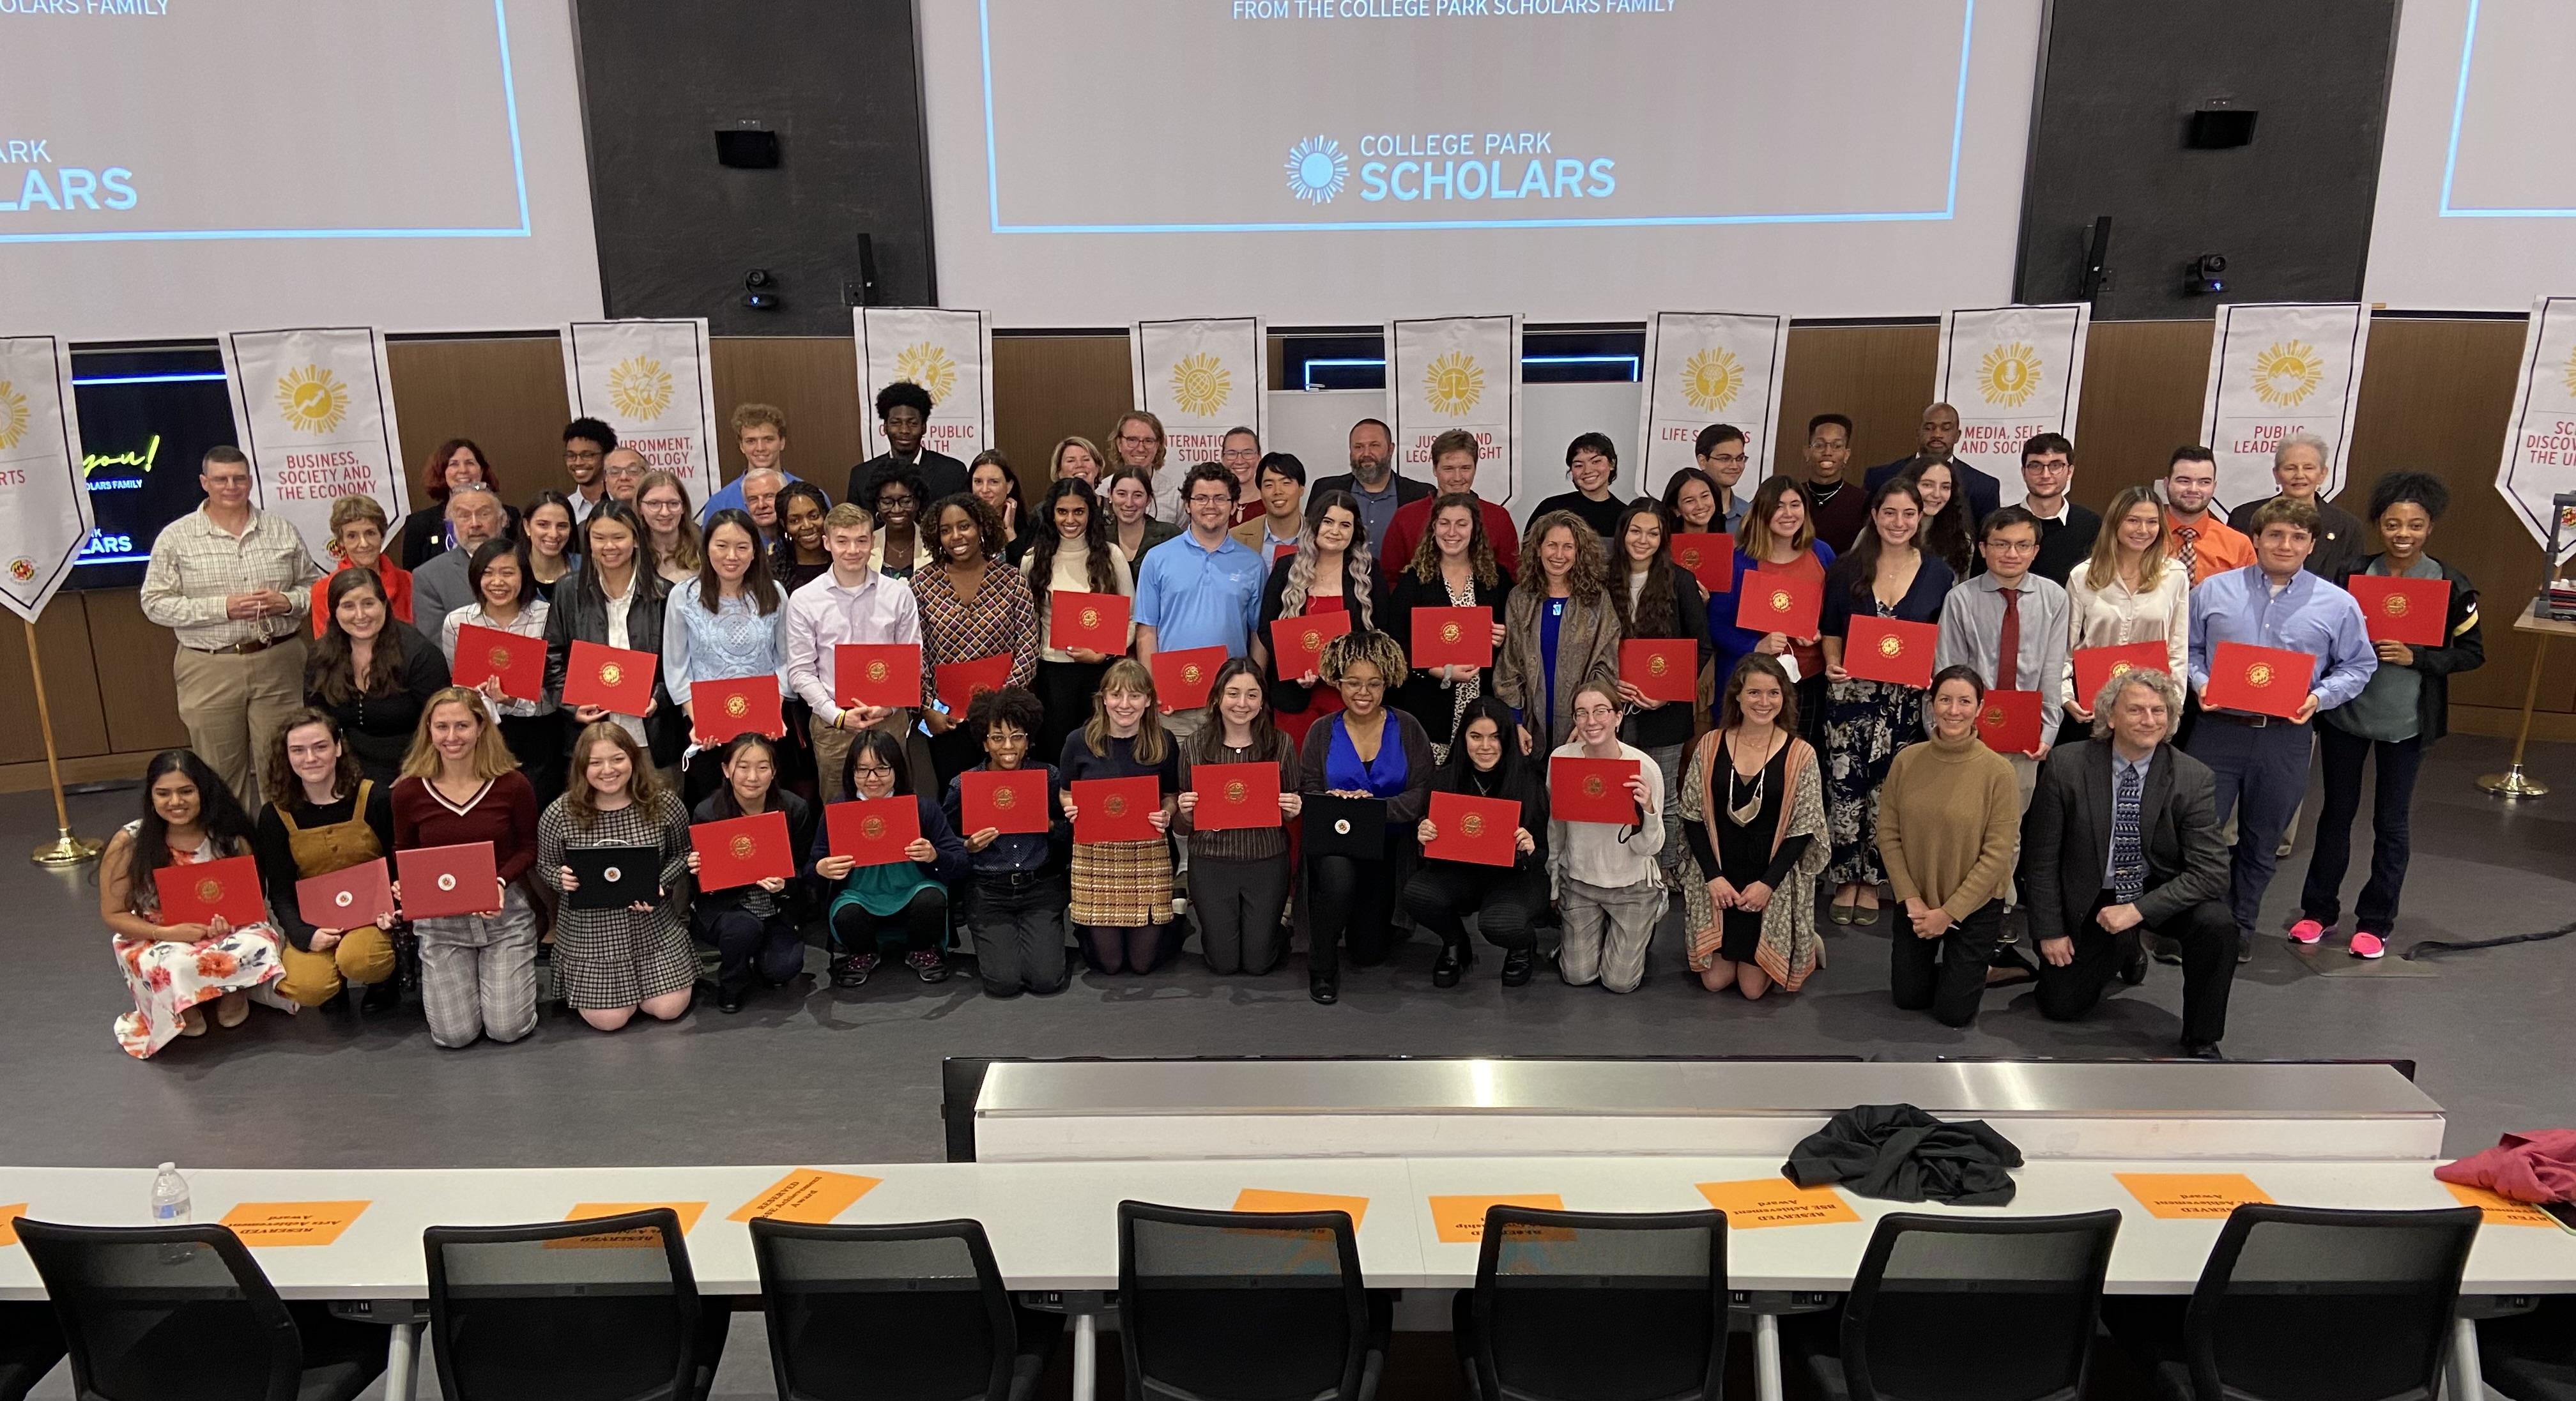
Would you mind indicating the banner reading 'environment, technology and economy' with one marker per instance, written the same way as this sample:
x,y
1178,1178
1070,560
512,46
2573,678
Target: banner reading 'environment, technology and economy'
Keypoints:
x,y
654,382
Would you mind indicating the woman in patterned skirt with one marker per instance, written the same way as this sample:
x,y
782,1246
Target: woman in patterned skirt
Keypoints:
x,y
1122,891
1886,575
609,963
189,816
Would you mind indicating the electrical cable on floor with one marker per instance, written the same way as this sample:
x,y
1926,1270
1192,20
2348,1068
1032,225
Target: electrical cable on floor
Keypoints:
x,y
2424,946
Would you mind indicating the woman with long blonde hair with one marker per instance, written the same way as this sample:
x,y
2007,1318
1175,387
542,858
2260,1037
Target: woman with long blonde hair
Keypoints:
x,y
459,786
1122,891
610,963
2128,592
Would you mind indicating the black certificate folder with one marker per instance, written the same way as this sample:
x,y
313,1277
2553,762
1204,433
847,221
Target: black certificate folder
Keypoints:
x,y
613,877
1354,827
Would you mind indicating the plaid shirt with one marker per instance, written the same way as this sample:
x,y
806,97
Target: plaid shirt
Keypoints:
x,y
196,567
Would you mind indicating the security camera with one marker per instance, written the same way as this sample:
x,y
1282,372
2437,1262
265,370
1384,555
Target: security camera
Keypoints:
x,y
759,290
2206,275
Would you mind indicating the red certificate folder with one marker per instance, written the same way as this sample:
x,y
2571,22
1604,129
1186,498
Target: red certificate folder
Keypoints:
x,y
1661,668
611,678
520,662
1891,650
2263,680
741,850
1114,809
1006,800
1776,602
1474,830
722,709
350,898
1234,796
1709,558
1592,790
1093,622
2009,721
1183,679
959,681
2412,611
1452,637
438,881
872,831
877,673
199,891
1299,642
2095,666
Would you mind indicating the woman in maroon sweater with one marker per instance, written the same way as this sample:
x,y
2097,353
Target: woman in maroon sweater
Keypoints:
x,y
459,785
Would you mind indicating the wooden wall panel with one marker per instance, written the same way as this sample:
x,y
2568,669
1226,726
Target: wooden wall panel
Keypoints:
x,y
1880,376
1051,387
505,393
2143,382
816,380
135,691
71,685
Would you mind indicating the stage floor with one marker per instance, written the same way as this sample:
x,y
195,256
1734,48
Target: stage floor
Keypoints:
x,y
825,1076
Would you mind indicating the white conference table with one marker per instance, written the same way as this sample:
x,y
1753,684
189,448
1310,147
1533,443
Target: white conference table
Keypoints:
x,y
1053,1226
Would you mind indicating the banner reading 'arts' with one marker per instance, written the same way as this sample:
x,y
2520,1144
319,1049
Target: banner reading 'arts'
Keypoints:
x,y
44,495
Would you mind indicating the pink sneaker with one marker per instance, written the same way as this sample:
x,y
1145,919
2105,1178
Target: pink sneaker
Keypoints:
x,y
2366,945
2307,931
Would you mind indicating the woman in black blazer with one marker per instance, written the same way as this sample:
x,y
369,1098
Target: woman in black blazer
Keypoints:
x,y
371,673
614,557
1453,567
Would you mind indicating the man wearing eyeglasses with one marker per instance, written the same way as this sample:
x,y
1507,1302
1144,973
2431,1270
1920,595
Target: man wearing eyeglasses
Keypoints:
x,y
1937,437
587,442
1201,588
1723,455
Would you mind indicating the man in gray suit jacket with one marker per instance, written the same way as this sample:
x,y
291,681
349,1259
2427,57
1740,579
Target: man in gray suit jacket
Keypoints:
x,y
442,585
2096,885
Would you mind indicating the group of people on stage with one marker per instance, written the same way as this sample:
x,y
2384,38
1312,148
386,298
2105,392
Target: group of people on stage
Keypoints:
x,y
326,731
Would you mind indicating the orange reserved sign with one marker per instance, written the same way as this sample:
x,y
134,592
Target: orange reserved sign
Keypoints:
x,y
2500,1210
8,1214
1776,1201
292,1223
1461,1220
1264,1199
809,1195
689,1212
2191,1196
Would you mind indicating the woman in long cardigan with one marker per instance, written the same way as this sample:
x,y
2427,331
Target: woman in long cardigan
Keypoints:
x,y
1559,630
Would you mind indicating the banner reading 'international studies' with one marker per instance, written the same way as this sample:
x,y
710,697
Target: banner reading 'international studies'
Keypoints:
x,y
1200,378
1458,372
948,353
2012,372
44,497
654,382
315,407
1710,367
2278,368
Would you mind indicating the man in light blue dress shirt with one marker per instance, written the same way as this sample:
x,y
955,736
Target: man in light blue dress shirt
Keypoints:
x,y
1201,588
2262,760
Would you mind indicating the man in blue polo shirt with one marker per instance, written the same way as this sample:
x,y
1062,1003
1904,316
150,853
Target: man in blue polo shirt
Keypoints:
x,y
1203,588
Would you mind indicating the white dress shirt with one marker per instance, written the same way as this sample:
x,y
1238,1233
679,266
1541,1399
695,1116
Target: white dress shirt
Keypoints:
x,y
824,615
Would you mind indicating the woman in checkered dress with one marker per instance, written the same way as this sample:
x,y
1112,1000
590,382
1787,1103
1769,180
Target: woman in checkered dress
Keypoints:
x,y
1122,891
610,963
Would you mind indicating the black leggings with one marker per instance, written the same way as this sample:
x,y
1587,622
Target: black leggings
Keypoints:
x,y
1443,893
1351,899
918,926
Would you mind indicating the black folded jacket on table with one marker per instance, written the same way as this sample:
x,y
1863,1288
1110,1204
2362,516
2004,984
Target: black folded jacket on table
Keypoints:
x,y
1900,1153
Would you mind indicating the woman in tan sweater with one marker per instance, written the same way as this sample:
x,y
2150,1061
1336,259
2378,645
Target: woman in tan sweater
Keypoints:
x,y
1948,818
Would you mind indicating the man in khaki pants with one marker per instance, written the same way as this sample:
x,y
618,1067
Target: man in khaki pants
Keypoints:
x,y
232,584
851,604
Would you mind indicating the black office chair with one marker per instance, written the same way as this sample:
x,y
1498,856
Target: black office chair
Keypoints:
x,y
916,1311
31,1342
2305,1303
602,1309
153,1312
2532,1356
1985,1307
1596,1306
1245,1306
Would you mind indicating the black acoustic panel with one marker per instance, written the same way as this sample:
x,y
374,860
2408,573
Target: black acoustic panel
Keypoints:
x,y
840,84
2290,210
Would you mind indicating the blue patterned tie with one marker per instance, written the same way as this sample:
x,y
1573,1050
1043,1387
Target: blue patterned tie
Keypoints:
x,y
2128,854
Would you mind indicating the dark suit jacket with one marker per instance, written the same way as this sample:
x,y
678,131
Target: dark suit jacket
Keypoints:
x,y
2066,839
2338,542
1406,488
941,475
1984,492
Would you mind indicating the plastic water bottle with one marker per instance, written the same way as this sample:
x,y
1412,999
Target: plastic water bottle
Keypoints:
x,y
169,1197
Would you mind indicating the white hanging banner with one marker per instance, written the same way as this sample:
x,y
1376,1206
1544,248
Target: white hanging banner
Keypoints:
x,y
44,494
1458,372
1202,378
2540,438
2277,368
949,353
315,407
654,382
1705,367
2012,372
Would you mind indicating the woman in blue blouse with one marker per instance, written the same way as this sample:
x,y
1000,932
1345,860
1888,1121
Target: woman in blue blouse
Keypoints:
x,y
1885,576
1366,750
899,905
729,622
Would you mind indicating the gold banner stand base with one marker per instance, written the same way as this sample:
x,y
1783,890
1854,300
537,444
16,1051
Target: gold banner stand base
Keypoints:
x,y
2513,783
65,850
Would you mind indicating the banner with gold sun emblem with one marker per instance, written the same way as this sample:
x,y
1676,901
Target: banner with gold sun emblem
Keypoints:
x,y
1705,367
44,494
1201,378
2012,372
949,353
2540,437
2278,368
1458,372
315,407
653,380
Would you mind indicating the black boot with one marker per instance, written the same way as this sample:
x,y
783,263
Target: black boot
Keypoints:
x,y
1326,989
1517,966
1450,965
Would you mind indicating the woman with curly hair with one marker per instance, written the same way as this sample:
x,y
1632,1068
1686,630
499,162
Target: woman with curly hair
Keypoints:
x,y
189,817
1453,567
1559,630
1329,573
973,605
1364,750
1656,598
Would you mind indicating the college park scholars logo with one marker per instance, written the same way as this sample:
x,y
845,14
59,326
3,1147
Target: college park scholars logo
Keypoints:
x,y
1200,384
1656,665
312,399
610,673
1317,169
742,846
1780,601
737,705
1712,378
1190,674
1594,785
929,366
1005,799
498,659
210,890
1115,805
2394,605
1473,824
1090,616
1891,646
13,415
2286,373
878,670
2009,375
1454,383
872,828
1235,791
1452,633
639,388
2259,675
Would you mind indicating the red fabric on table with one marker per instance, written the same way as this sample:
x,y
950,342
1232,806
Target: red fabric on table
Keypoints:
x,y
1453,637
1183,679
1093,622
959,681
872,831
2412,611
2527,1167
1775,601
1234,797
1006,800
2259,680
1591,790
1116,809
1474,830
441,881
740,850
1661,668
2095,666
721,709
200,890
349,898
1890,650
1710,557
877,674
484,653
2008,721
614,679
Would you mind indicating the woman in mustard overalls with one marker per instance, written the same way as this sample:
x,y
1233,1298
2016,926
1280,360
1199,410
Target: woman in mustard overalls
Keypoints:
x,y
321,817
